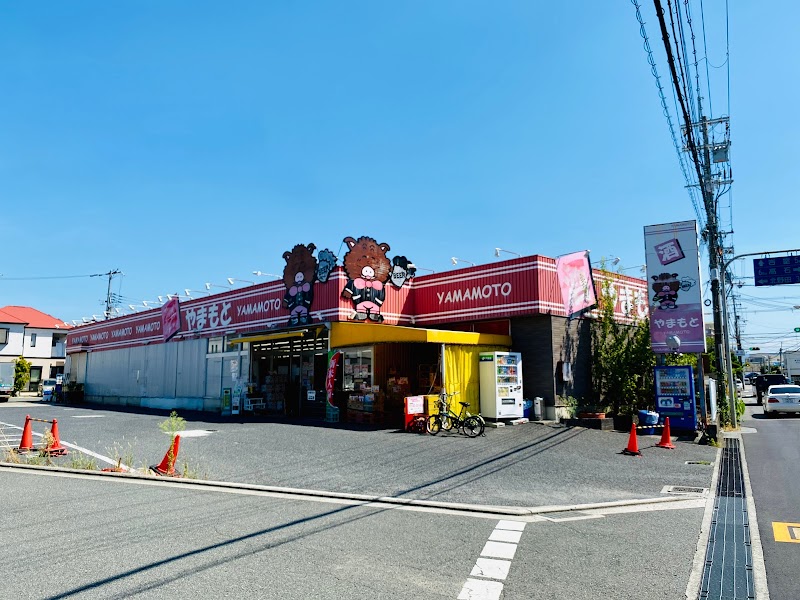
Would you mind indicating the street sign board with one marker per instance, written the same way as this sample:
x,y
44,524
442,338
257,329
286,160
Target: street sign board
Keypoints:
x,y
776,271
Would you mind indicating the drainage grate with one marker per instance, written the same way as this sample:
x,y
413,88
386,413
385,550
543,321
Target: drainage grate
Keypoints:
x,y
728,570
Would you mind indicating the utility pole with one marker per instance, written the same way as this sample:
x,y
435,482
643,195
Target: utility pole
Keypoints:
x,y
110,276
714,256
737,333
707,184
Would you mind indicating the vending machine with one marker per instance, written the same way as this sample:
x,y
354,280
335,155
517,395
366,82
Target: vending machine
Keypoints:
x,y
501,385
675,397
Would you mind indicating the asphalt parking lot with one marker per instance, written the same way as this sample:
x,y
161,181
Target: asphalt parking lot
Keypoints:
x,y
533,464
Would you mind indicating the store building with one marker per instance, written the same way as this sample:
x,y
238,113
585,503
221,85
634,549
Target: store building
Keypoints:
x,y
269,347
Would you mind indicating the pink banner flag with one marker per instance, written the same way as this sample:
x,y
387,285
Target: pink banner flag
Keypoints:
x,y
575,280
170,318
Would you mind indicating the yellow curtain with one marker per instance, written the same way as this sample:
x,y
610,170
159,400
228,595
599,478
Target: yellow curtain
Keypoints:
x,y
461,374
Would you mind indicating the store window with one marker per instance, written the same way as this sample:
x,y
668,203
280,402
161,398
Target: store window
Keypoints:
x,y
215,345
358,375
33,340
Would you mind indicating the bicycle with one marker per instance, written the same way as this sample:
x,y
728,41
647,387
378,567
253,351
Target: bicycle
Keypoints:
x,y
470,425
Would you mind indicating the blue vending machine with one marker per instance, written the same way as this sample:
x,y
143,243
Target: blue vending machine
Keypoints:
x,y
675,397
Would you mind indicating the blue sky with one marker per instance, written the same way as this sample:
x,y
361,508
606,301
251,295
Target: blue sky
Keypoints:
x,y
188,142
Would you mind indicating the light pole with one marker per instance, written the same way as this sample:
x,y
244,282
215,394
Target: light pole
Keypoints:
x,y
232,279
188,293
455,261
263,274
497,252
210,285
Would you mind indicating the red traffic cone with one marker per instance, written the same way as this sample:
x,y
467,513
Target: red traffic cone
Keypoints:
x,y
167,466
26,441
55,448
633,444
665,441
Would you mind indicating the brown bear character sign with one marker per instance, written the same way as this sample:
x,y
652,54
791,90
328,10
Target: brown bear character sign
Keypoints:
x,y
367,268
298,276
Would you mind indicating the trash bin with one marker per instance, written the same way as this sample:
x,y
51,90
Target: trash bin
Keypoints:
x,y
538,409
527,408
648,417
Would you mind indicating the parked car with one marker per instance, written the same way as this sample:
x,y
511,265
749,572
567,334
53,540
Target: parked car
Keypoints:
x,y
739,386
47,386
782,398
763,382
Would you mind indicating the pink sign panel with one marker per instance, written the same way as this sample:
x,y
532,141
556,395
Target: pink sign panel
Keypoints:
x,y
170,319
575,280
675,294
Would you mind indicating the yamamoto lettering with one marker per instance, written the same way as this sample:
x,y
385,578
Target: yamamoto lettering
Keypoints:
x,y
490,290
255,308
151,327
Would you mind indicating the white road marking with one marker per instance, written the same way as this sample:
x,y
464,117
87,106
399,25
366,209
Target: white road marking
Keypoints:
x,y
503,535
100,457
510,525
193,433
491,568
499,550
502,544
477,589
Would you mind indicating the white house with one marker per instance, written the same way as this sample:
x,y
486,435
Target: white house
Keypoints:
x,y
37,337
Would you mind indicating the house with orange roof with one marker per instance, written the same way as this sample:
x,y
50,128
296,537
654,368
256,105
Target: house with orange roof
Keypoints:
x,y
39,338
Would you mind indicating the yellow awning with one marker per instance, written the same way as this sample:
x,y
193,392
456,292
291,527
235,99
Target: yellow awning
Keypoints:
x,y
264,337
364,334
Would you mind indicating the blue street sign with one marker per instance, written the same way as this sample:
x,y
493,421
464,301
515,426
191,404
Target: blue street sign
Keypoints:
x,y
776,271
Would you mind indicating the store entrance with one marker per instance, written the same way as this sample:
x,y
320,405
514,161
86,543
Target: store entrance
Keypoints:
x,y
288,375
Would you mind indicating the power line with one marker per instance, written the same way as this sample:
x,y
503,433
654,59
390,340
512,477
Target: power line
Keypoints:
x,y
694,53
705,54
681,161
44,277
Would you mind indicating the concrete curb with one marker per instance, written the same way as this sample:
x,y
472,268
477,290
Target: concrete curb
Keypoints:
x,y
478,508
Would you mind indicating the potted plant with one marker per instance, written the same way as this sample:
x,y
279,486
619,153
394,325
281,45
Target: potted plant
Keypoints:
x,y
588,410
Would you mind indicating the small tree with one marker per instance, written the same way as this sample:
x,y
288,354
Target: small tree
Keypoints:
x,y
622,360
22,374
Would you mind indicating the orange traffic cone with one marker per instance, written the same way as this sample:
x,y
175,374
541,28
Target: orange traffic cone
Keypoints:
x,y
633,443
26,441
167,466
55,448
665,441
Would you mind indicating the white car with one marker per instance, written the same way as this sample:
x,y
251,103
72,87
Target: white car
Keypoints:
x,y
782,398
739,386
47,387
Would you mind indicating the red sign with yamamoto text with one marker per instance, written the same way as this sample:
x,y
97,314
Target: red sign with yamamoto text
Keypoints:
x,y
506,289
517,287
246,309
